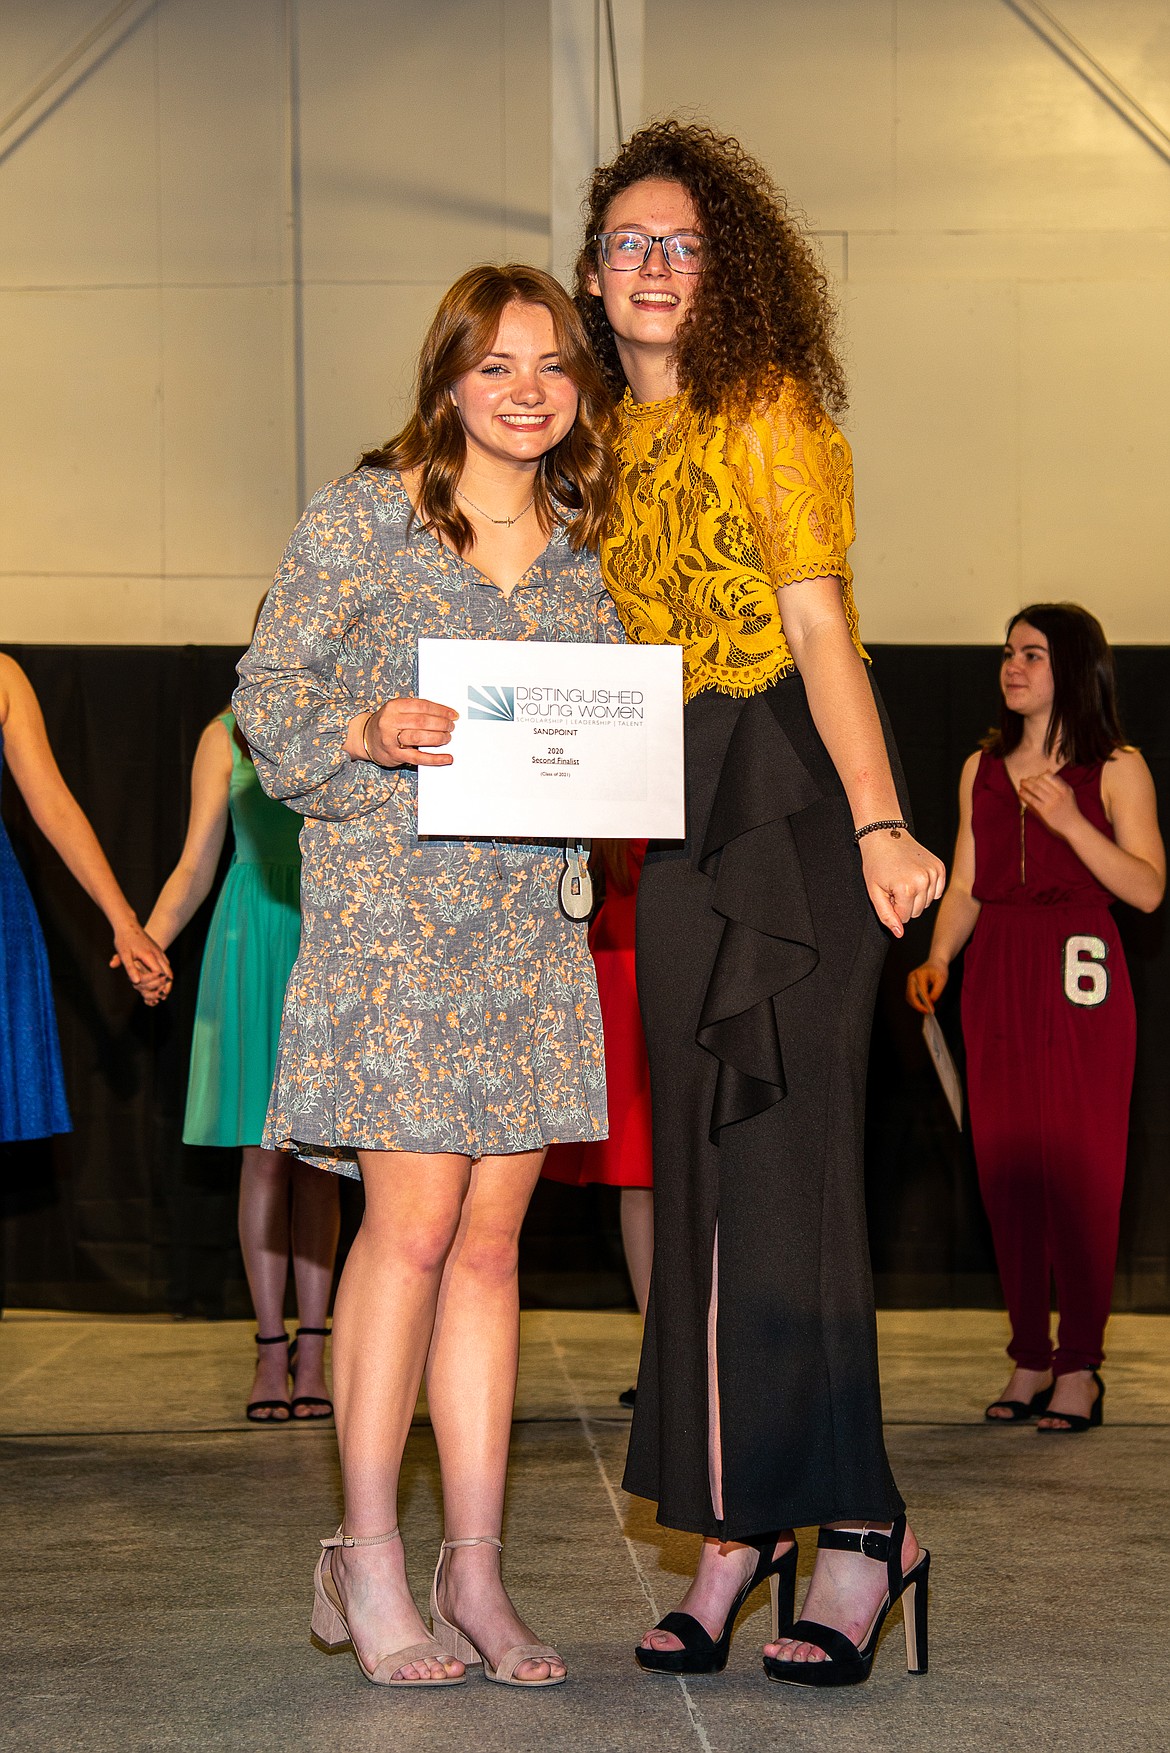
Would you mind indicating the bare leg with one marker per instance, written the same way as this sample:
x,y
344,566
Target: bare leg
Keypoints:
x,y
382,1324
724,1566
316,1219
845,1592
637,1217
471,1389
1023,1385
264,1236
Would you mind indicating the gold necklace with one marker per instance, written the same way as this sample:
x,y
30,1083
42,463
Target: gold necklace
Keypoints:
x,y
506,521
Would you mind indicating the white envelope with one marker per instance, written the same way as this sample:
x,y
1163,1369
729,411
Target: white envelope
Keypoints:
x,y
555,740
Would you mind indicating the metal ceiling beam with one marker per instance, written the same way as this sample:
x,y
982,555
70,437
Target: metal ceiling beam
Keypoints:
x,y
1074,54
72,70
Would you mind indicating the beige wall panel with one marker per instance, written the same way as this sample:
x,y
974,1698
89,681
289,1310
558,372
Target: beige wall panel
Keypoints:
x,y
996,131
81,611
1011,255
79,441
402,137
361,347
932,422
223,155
210,611
807,87
1094,444
227,427
36,39
525,96
77,197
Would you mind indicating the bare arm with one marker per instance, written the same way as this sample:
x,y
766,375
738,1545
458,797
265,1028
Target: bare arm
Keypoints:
x,y
189,884
958,911
901,876
65,825
1132,865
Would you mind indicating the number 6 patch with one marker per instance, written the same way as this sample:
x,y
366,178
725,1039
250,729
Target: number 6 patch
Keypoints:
x,y
1086,978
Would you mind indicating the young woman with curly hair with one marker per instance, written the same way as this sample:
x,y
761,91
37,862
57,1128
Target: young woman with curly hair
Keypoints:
x,y
441,1024
761,939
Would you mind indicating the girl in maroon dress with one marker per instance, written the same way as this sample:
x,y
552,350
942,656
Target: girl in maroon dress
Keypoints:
x,y
1057,820
624,1158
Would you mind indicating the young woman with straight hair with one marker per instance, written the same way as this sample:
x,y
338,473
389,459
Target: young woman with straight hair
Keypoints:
x,y
441,1026
1057,820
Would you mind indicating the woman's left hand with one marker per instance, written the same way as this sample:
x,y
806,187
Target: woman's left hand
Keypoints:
x,y
147,967
902,877
1052,800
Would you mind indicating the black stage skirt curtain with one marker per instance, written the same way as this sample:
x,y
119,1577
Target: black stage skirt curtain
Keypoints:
x,y
121,1216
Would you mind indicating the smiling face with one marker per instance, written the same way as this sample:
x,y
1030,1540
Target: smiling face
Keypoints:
x,y
517,403
646,305
1025,675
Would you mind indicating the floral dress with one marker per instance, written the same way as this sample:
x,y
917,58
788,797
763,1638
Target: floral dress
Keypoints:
x,y
441,1001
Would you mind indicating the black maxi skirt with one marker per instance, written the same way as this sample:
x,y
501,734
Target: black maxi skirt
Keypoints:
x,y
758,956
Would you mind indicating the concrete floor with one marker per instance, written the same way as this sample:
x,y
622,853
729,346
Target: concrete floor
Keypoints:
x,y
159,1554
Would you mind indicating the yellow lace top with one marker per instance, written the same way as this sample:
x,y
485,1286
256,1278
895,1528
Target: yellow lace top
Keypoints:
x,y
713,517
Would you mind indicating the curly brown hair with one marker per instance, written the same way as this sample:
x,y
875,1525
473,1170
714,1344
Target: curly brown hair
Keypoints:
x,y
574,480
762,309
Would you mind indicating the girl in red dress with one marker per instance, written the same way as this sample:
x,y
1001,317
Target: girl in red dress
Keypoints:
x,y
1057,820
623,1159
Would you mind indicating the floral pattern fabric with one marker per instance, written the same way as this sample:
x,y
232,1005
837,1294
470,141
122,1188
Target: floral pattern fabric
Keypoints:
x,y
714,517
441,1001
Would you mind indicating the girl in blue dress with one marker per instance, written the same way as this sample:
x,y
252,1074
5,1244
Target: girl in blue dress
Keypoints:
x,y
32,1089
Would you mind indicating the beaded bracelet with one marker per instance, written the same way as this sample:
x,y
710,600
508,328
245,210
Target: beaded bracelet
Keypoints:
x,y
873,827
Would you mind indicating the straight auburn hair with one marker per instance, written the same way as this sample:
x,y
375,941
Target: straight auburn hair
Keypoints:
x,y
1084,727
574,480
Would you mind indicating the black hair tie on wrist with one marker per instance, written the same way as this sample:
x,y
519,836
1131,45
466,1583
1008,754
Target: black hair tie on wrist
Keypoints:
x,y
874,827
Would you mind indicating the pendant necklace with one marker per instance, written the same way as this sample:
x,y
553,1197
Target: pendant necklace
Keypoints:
x,y
505,522
576,891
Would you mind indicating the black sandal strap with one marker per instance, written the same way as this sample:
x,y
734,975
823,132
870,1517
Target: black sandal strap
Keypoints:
x,y
312,1332
273,1339
268,1406
839,1649
869,1541
310,1400
694,1637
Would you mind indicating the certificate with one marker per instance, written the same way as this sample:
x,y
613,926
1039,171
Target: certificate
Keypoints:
x,y
554,740
944,1065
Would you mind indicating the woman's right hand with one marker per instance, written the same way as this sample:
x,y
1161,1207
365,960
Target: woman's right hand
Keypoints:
x,y
925,986
400,733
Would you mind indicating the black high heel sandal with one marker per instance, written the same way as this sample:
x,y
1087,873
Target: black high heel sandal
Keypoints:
x,y
703,1654
1075,1424
273,1406
308,1399
850,1663
1021,1410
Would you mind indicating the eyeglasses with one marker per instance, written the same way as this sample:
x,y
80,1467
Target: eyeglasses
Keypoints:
x,y
625,250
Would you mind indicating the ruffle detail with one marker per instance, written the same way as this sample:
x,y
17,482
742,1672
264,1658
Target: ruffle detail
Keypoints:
x,y
768,941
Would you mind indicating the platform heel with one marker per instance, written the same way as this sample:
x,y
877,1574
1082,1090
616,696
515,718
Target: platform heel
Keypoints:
x,y
848,1663
915,1616
703,1654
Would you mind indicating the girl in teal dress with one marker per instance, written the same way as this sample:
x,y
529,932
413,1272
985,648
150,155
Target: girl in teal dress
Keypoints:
x,y
251,947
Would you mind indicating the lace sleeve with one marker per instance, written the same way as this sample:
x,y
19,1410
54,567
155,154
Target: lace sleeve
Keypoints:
x,y
796,473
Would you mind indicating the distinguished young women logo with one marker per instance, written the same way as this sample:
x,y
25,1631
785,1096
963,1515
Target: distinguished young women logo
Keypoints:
x,y
498,704
511,705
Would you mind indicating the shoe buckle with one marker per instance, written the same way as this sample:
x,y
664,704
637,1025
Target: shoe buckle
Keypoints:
x,y
876,1546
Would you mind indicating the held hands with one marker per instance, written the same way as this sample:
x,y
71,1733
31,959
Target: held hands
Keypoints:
x,y
399,733
902,877
925,986
1052,800
147,968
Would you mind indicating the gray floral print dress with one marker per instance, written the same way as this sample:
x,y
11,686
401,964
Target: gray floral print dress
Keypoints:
x,y
441,1001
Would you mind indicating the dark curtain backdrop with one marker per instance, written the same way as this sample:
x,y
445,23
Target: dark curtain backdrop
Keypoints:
x,y
121,1216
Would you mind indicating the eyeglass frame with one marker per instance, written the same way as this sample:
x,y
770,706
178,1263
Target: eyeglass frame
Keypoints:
x,y
599,238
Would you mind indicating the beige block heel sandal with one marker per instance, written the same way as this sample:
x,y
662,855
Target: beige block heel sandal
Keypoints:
x,y
331,1632
504,1673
